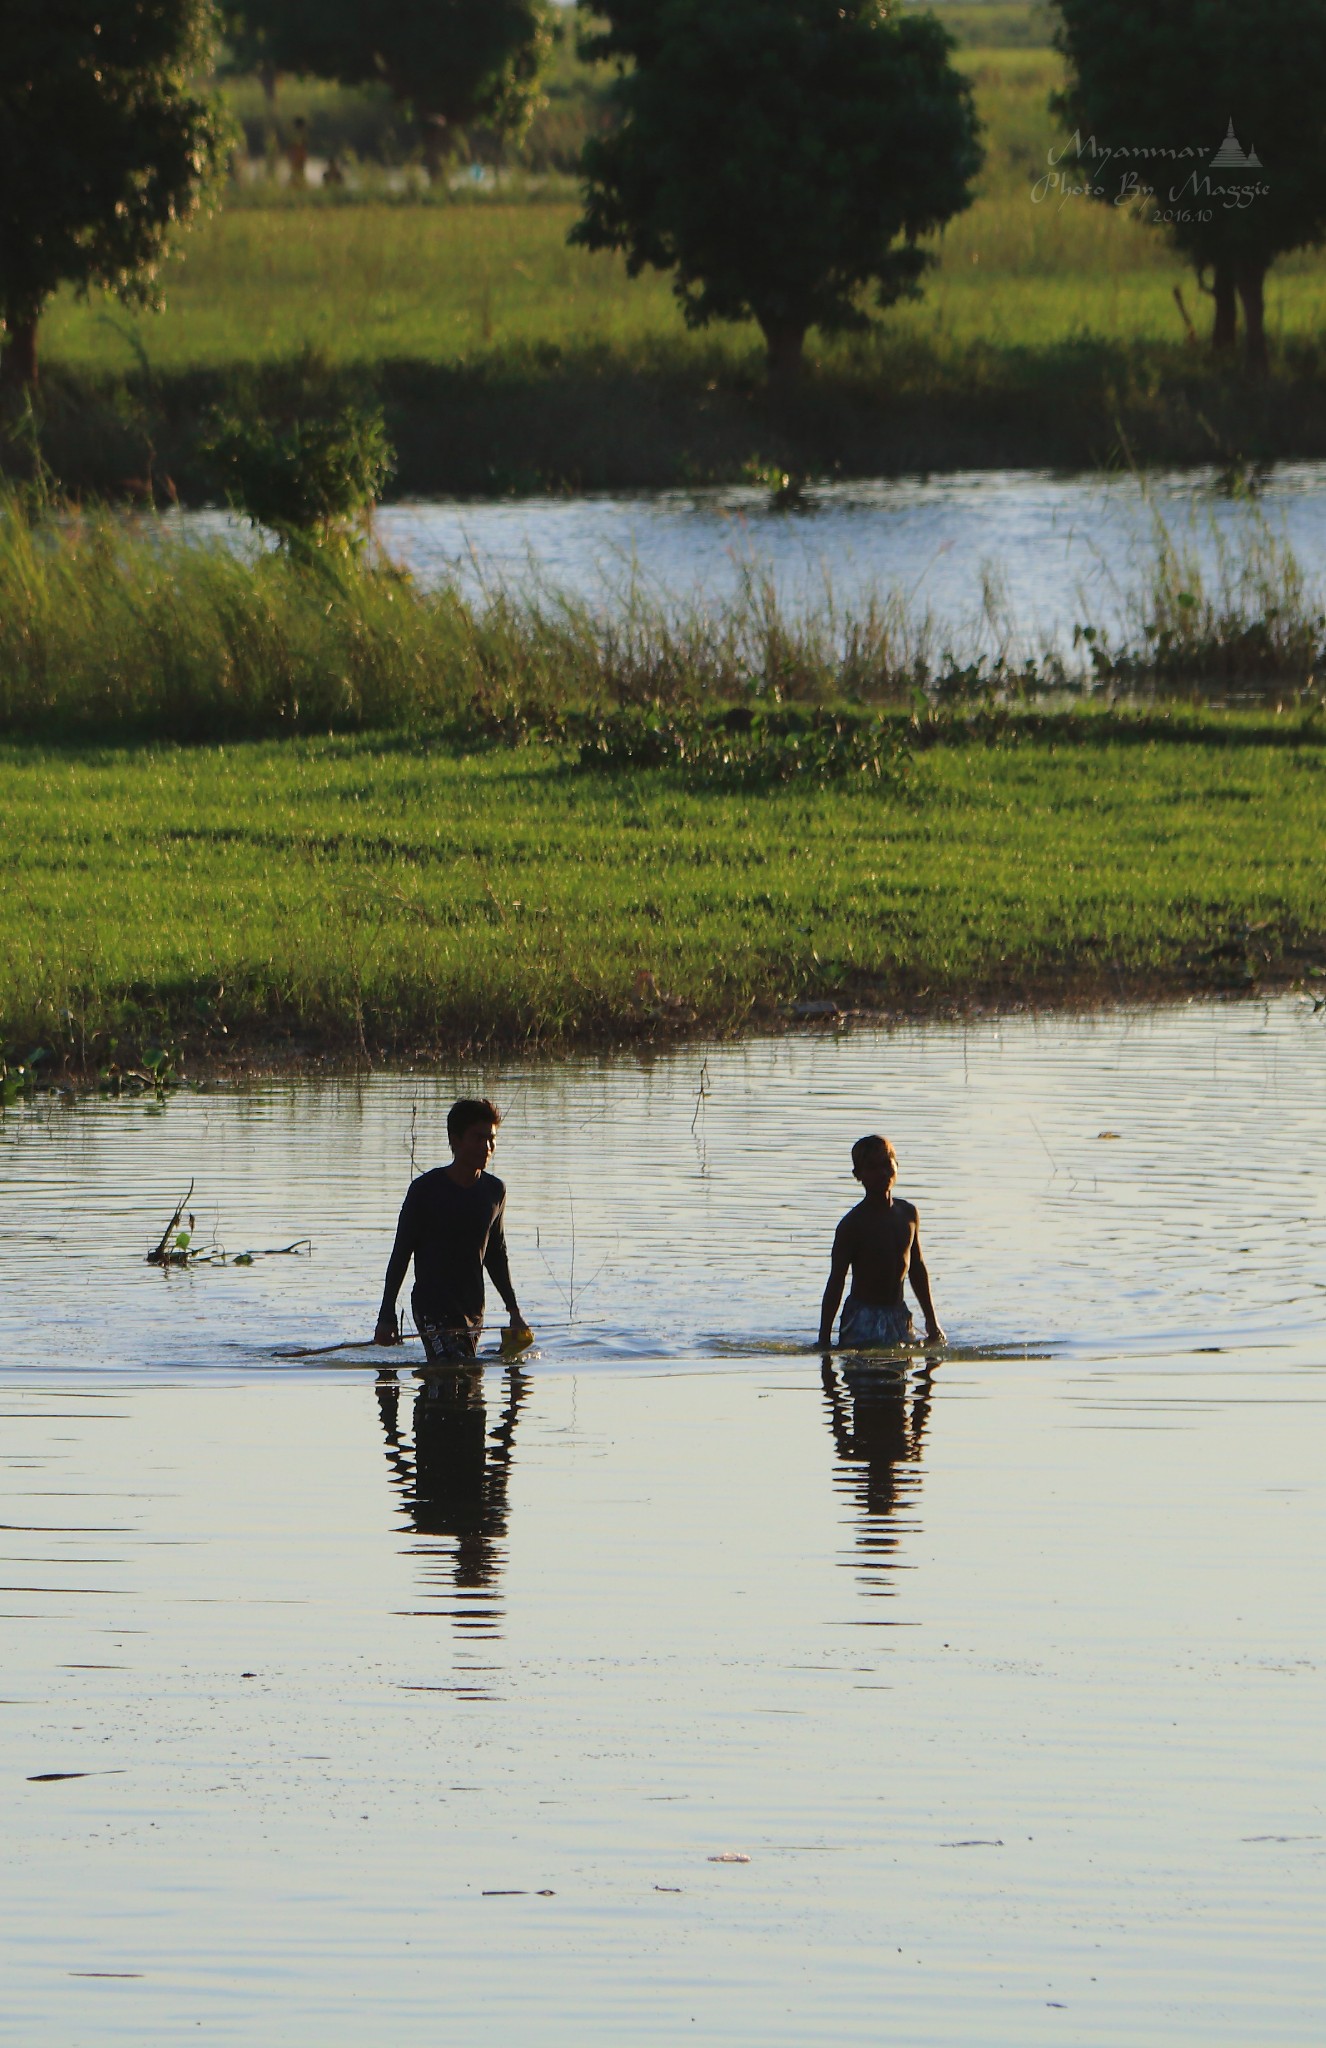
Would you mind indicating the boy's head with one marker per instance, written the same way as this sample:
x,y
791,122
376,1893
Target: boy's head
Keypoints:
x,y
875,1164
472,1128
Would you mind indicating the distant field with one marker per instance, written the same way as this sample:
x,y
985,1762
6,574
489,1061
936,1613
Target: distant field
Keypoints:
x,y
447,284
1048,334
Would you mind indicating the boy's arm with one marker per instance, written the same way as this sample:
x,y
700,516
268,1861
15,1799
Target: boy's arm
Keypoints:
x,y
920,1279
387,1331
833,1293
498,1270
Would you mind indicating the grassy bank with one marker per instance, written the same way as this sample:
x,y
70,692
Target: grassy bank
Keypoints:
x,y
296,804
360,895
1048,334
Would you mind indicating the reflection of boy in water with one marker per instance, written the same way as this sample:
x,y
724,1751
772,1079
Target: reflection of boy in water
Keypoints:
x,y
880,1242
456,1482
878,1430
451,1224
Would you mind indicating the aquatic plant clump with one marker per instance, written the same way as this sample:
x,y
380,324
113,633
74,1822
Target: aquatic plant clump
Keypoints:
x,y
1252,628
305,479
743,749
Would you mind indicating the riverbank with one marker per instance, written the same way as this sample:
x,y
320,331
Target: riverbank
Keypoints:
x,y
586,418
369,898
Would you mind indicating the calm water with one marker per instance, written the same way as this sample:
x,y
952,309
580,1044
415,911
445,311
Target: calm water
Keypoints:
x,y
386,1718
1055,550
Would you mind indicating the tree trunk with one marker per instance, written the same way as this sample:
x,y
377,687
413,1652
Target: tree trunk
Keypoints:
x,y
437,147
269,78
786,343
18,365
1252,292
1224,333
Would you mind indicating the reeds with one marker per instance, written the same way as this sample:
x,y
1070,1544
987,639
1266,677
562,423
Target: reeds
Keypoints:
x,y
111,626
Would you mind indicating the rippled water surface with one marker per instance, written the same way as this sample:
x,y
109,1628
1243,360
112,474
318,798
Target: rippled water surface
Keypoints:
x,y
1053,551
343,1712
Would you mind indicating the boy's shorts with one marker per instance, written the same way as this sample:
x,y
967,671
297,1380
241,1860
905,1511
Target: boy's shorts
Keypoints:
x,y
447,1345
863,1325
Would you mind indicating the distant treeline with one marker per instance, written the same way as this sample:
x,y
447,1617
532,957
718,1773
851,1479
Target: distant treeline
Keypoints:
x,y
365,124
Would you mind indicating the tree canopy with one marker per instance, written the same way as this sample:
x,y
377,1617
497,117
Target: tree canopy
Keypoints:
x,y
779,157
455,61
106,148
1162,87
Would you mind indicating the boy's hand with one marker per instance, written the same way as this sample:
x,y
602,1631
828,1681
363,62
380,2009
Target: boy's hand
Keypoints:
x,y
934,1335
387,1331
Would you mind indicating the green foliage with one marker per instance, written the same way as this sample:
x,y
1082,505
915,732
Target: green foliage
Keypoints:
x,y
18,1078
779,157
1147,80
305,478
106,149
454,61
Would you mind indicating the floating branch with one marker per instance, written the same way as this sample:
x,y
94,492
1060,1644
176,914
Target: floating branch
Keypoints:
x,y
164,1253
175,1247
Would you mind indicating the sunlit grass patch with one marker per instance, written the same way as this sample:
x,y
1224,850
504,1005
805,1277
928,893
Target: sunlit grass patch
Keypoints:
x,y
295,891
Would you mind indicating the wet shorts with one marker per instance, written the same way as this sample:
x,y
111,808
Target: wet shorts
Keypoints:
x,y
448,1345
864,1325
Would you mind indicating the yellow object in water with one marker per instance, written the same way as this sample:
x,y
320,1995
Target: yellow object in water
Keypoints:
x,y
516,1337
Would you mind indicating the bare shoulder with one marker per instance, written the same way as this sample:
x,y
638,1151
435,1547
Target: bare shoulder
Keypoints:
x,y
908,1211
850,1224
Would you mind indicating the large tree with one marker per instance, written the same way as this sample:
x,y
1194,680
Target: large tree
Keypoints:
x,y
106,148
1160,86
455,62
780,157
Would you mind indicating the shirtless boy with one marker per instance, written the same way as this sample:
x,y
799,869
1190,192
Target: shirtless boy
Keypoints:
x,y
451,1222
880,1241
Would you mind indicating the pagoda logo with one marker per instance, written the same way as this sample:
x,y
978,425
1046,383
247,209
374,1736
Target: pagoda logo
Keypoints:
x,y
1231,155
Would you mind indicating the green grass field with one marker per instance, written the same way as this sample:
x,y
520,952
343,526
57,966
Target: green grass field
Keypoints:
x,y
448,284
349,894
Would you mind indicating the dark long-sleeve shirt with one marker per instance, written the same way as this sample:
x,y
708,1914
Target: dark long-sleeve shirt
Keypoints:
x,y
452,1233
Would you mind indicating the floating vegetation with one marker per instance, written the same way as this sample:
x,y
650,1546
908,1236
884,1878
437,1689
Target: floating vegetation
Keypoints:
x,y
178,1244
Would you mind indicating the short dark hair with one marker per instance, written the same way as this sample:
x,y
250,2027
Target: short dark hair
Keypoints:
x,y
866,1148
471,1109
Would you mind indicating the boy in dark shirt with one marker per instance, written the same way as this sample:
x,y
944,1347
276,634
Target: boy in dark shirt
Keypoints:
x,y
880,1240
451,1223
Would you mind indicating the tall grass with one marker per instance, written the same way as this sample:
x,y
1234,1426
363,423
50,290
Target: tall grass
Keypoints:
x,y
108,625
112,626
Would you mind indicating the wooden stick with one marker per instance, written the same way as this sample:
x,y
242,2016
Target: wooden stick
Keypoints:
x,y
157,1257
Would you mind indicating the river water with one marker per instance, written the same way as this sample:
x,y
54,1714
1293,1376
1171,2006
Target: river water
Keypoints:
x,y
340,1711
993,558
